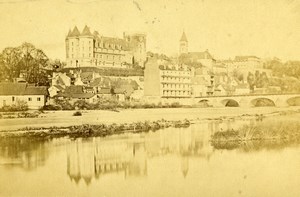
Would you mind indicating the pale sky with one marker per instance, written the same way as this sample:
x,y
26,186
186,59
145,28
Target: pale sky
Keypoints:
x,y
265,28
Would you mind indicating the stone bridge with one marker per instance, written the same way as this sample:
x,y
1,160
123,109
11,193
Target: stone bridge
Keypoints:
x,y
278,100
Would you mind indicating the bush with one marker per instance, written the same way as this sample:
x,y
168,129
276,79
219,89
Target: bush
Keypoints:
x,y
64,104
77,113
19,106
51,107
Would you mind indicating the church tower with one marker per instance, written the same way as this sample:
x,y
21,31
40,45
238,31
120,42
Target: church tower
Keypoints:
x,y
183,44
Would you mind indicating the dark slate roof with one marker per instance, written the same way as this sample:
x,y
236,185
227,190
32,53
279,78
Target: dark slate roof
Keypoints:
x,y
82,95
69,33
86,76
75,95
59,87
245,58
22,89
75,32
86,32
12,88
36,90
200,55
115,41
183,37
73,89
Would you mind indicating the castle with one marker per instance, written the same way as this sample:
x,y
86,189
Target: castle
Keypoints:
x,y
88,49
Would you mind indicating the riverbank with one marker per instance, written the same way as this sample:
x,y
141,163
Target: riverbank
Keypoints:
x,y
101,130
280,131
51,122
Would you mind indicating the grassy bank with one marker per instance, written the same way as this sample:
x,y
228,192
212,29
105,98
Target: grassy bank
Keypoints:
x,y
269,132
102,130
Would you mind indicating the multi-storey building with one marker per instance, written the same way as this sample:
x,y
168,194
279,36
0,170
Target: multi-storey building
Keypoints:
x,y
88,49
175,82
166,82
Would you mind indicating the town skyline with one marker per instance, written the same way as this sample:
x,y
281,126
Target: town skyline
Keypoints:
x,y
264,29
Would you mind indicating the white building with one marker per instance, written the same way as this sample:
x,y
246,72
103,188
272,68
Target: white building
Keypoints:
x,y
166,82
13,93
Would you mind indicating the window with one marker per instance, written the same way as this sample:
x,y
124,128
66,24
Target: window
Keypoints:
x,y
13,98
38,99
29,99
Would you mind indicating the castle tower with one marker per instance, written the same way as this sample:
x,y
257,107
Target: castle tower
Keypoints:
x,y
86,47
183,44
137,43
72,42
79,47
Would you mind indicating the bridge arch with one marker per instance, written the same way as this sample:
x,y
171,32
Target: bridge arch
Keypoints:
x,y
230,103
204,103
262,102
294,101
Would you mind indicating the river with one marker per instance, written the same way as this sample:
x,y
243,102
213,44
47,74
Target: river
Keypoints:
x,y
168,162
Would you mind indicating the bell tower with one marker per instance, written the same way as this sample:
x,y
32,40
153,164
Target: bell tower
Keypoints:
x,y
183,44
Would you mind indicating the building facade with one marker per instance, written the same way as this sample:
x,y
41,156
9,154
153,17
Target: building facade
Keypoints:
x,y
13,93
166,82
86,49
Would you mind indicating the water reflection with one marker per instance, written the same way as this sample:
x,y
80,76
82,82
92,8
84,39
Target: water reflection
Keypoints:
x,y
23,152
95,157
168,162
128,155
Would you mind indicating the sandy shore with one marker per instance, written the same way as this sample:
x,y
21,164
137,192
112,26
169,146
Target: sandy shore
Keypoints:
x,y
66,118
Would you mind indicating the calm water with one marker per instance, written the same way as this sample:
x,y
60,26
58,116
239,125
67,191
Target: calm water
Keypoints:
x,y
169,162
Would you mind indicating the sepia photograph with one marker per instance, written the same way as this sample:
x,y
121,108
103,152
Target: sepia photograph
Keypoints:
x,y
140,98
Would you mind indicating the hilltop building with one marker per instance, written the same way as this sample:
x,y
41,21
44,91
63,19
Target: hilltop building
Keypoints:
x,y
183,44
194,58
86,49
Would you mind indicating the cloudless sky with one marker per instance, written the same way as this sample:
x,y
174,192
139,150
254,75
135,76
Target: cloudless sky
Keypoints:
x,y
227,28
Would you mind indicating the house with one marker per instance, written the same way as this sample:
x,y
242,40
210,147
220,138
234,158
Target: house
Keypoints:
x,y
55,89
34,96
75,93
61,79
105,93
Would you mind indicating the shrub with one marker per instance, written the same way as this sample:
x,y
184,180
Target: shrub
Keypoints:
x,y
19,106
77,113
64,104
51,107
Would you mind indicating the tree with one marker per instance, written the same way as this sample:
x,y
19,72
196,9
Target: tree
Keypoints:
x,y
25,59
33,60
10,63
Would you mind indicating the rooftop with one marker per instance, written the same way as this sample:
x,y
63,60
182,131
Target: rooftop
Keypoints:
x,y
22,89
183,37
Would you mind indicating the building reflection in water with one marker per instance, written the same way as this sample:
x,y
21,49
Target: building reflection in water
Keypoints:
x,y
95,157
23,152
128,154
